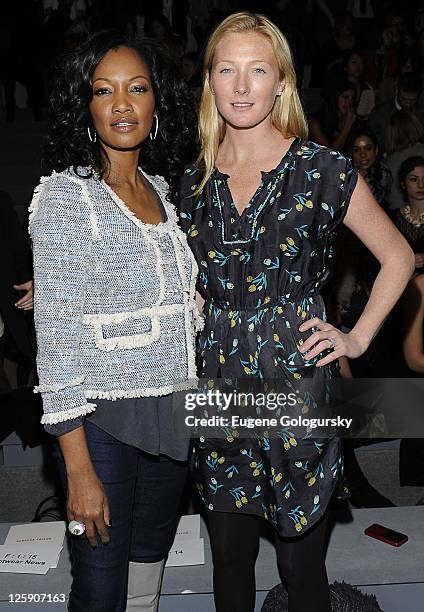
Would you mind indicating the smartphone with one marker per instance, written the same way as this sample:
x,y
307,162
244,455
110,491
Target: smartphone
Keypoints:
x,y
389,536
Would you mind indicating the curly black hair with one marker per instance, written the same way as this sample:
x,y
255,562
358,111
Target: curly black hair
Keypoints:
x,y
67,143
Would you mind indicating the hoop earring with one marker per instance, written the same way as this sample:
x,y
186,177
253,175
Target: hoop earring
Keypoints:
x,y
91,138
155,131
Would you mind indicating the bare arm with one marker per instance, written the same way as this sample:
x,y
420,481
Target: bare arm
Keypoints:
x,y
413,315
366,219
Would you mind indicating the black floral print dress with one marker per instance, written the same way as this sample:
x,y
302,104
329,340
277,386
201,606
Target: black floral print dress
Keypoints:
x,y
261,274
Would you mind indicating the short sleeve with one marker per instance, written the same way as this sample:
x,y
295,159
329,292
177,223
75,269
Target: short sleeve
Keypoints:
x,y
188,185
341,180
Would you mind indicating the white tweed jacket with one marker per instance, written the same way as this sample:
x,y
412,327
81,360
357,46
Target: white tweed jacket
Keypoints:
x,y
114,305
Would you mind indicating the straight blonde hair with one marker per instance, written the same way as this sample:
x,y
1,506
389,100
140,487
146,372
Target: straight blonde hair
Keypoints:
x,y
287,115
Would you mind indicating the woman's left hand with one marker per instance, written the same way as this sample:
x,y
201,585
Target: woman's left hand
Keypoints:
x,y
350,344
26,302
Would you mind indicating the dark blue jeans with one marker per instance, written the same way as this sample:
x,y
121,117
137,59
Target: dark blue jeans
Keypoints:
x,y
144,493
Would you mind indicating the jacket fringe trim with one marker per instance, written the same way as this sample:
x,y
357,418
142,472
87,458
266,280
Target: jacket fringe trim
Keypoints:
x,y
52,418
35,201
59,386
199,319
121,317
127,342
149,392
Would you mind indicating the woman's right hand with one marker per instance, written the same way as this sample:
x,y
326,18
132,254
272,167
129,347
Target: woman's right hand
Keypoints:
x,y
87,503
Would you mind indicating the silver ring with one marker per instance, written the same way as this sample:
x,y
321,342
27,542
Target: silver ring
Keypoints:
x,y
331,341
76,528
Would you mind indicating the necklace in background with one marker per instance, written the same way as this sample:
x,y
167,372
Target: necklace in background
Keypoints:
x,y
406,211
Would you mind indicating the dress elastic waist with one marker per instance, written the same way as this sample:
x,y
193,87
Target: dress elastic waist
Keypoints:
x,y
281,301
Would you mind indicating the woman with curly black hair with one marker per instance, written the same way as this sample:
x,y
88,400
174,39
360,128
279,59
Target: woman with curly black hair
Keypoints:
x,y
115,312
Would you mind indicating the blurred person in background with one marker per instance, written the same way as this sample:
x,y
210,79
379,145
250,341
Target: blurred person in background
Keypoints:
x,y
353,68
405,139
76,12
366,158
56,23
191,74
381,56
16,295
409,62
409,217
189,62
419,18
333,124
161,30
343,40
401,35
407,94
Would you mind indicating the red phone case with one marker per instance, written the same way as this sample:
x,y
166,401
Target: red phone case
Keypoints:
x,y
384,534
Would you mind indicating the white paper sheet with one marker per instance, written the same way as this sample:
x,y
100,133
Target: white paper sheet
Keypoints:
x,y
21,560
39,537
189,526
186,551
43,535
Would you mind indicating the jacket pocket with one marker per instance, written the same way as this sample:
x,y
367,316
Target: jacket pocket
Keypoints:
x,y
124,330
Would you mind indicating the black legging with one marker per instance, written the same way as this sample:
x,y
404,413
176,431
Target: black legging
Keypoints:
x,y
235,542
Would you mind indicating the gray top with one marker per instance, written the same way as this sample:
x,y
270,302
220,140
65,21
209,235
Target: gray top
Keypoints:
x,y
148,423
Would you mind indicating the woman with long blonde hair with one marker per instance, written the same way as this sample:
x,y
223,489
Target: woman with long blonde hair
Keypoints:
x,y
260,208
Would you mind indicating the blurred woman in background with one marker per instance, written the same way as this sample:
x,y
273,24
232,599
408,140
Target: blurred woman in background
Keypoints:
x,y
409,217
405,139
333,124
353,67
365,156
